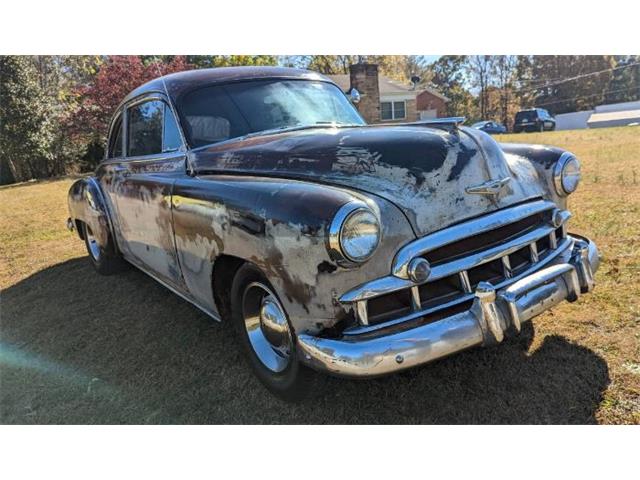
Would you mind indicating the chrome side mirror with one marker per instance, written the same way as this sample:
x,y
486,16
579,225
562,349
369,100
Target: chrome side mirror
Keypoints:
x,y
354,96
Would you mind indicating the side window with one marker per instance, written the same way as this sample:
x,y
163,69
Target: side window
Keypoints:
x,y
115,142
145,123
399,110
171,140
386,111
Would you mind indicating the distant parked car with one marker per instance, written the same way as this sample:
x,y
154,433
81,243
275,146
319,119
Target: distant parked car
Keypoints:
x,y
534,120
490,127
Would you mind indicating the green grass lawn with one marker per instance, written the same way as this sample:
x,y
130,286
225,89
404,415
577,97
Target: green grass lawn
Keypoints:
x,y
76,347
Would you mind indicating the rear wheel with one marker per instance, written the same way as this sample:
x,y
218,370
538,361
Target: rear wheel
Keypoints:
x,y
104,259
266,337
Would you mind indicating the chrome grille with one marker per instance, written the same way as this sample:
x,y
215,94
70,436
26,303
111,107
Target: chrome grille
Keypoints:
x,y
515,245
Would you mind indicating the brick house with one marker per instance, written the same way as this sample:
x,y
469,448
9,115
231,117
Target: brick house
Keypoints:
x,y
385,100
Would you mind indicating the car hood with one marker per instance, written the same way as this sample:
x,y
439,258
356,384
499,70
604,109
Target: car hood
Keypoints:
x,y
427,172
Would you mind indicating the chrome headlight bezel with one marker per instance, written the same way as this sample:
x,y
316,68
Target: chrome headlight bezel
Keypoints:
x,y
335,230
559,170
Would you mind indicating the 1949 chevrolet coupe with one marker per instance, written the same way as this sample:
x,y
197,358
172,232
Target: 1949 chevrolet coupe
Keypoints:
x,y
262,197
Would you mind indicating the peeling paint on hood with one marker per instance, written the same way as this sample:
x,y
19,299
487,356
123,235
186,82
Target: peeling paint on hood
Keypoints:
x,y
424,171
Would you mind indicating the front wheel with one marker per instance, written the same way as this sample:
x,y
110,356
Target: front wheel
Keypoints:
x,y
105,259
267,339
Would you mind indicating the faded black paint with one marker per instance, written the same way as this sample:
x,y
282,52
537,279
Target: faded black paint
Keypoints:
x,y
317,151
544,155
260,197
463,158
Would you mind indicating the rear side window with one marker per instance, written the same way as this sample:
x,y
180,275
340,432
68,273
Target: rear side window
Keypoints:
x,y
171,140
145,122
115,143
152,129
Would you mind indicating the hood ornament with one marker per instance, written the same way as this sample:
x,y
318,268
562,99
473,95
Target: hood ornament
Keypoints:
x,y
490,188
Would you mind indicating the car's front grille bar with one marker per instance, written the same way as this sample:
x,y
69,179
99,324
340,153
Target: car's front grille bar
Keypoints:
x,y
467,263
415,312
456,277
449,235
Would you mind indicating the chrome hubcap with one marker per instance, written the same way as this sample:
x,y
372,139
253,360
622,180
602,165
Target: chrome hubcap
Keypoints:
x,y
94,248
267,327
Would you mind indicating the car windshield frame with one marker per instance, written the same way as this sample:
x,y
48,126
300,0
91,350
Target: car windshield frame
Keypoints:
x,y
223,88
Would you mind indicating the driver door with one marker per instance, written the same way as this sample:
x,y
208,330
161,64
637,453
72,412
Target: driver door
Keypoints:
x,y
142,187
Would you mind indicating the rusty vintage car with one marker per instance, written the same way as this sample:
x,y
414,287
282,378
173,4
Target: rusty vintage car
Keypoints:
x,y
262,197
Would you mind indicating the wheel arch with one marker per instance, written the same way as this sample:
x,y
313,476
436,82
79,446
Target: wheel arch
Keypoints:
x,y
87,205
279,225
223,271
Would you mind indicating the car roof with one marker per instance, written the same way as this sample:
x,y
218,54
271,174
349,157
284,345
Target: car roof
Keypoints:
x,y
178,83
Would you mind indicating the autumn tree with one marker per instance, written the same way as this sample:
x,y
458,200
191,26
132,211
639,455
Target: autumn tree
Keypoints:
x,y
569,83
26,130
448,77
505,74
212,61
481,69
624,85
117,77
397,67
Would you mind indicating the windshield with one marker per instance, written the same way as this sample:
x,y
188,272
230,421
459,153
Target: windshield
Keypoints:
x,y
479,124
217,113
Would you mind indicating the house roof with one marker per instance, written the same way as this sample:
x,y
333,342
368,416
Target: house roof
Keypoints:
x,y
386,86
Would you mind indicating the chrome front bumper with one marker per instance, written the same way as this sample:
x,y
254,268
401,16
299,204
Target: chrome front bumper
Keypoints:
x,y
492,313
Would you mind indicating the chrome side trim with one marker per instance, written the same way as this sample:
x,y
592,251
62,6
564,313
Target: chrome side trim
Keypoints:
x,y
463,230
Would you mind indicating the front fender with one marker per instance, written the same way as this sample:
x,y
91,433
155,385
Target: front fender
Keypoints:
x,y
279,225
543,159
87,204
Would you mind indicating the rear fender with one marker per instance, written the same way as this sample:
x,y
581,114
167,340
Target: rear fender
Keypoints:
x,y
87,204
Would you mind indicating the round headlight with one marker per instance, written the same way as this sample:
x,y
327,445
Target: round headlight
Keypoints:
x,y
354,234
566,174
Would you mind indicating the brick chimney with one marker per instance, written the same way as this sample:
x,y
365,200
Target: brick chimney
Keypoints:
x,y
364,78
